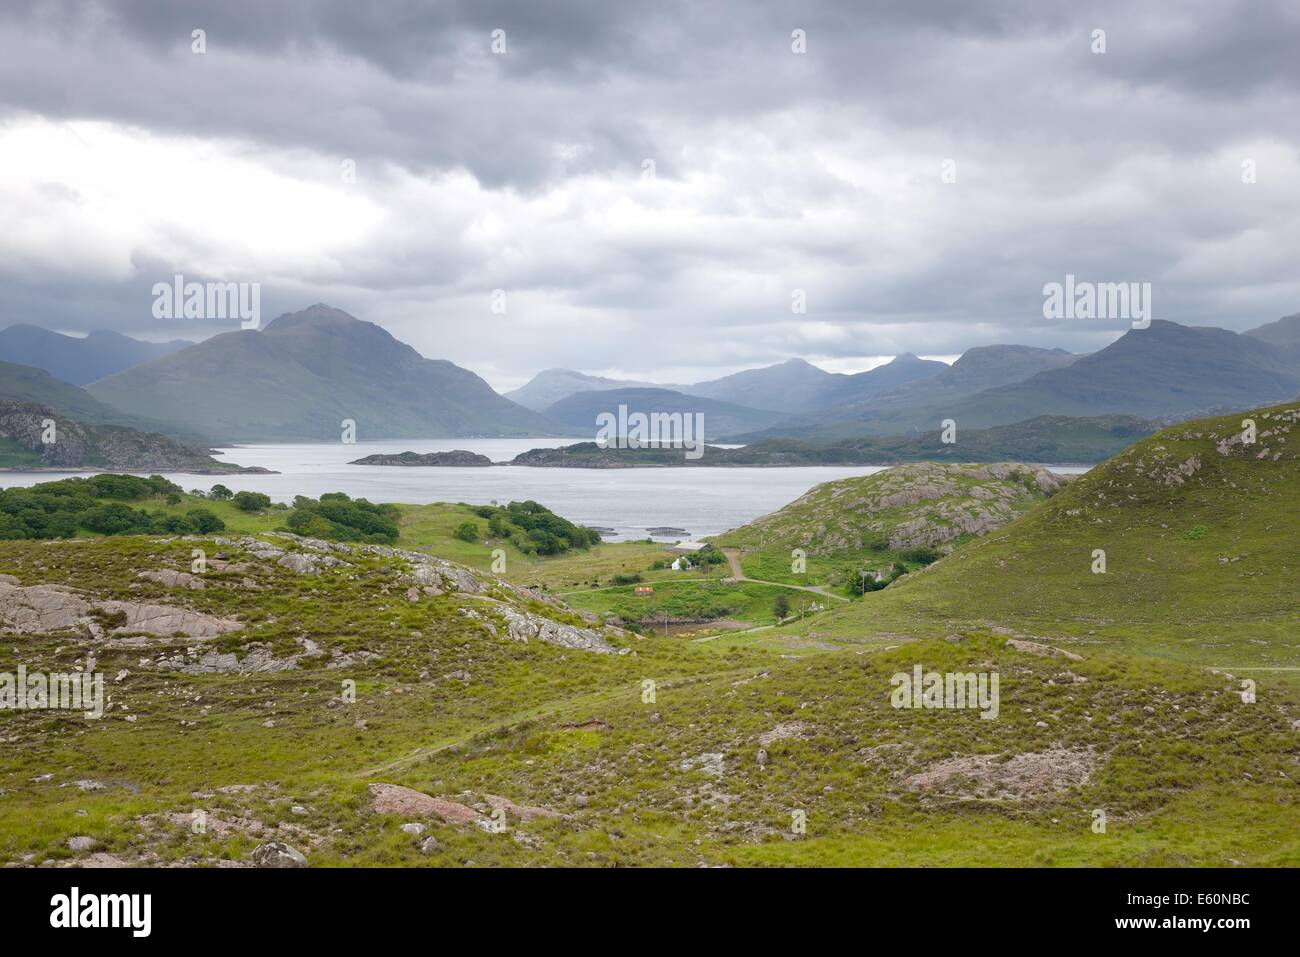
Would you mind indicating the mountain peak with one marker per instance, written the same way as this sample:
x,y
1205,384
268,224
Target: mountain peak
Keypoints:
x,y
318,315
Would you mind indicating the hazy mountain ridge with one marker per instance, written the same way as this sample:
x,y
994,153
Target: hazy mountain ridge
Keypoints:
x,y
80,361
788,387
578,412
551,385
1165,371
307,372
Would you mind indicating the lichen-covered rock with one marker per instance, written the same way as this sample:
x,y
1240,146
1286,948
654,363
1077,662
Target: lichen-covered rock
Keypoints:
x,y
170,578
40,609
523,626
277,854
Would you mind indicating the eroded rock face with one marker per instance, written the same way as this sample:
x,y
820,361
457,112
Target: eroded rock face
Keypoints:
x,y
525,626
38,609
41,609
165,621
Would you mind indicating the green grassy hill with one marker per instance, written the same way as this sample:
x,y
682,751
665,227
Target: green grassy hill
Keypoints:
x,y
1201,536
711,763
909,514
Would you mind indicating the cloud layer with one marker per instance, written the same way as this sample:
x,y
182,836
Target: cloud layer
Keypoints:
x,y
651,184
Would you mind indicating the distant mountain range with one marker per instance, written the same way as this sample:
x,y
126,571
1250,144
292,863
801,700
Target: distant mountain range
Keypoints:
x,y
551,385
787,387
307,372
577,413
80,360
1163,371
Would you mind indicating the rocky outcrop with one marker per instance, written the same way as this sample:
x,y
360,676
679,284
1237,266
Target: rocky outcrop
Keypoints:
x,y
429,576
927,505
41,609
78,445
170,578
526,625
407,802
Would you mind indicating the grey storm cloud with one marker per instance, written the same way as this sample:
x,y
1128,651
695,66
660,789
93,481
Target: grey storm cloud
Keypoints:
x,y
774,171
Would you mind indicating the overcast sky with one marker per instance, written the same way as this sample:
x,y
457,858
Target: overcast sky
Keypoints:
x,y
126,157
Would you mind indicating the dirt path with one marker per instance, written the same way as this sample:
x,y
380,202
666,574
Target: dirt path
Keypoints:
x,y
738,573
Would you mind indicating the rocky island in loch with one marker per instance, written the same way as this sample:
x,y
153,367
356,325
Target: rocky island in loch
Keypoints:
x,y
458,457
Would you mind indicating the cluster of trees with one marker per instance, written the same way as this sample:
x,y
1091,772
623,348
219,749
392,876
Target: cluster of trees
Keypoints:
x,y
244,501
533,528
61,509
337,517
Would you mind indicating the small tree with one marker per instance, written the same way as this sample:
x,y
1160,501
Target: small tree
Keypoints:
x,y
220,493
466,532
781,607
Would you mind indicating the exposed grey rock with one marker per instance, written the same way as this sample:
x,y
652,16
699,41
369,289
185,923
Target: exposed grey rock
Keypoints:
x,y
522,626
277,854
173,579
307,564
41,609
1043,651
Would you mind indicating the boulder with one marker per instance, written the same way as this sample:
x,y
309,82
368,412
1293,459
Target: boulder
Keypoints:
x,y
277,854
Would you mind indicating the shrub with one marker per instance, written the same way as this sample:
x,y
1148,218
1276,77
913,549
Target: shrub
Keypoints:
x,y
466,532
205,522
251,501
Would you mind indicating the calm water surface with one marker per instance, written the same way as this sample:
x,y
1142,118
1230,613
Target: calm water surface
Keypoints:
x,y
699,499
